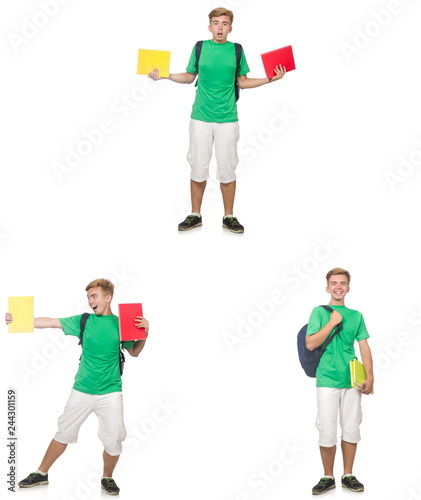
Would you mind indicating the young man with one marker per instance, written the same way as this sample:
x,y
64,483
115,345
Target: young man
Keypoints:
x,y
214,117
335,394
97,386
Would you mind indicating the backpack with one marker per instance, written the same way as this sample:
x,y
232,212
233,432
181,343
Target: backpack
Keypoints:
x,y
83,321
310,359
238,51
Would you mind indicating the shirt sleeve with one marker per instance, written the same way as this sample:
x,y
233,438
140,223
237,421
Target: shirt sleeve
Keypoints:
x,y
315,321
191,66
362,330
244,67
127,344
71,325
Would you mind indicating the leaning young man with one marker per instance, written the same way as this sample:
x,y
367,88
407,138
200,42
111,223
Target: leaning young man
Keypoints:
x,y
97,386
335,394
214,119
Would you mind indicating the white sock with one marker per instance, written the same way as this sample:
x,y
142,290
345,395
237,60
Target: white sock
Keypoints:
x,y
231,215
197,215
106,477
347,475
329,477
42,473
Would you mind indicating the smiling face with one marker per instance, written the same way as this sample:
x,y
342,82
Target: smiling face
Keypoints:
x,y
220,27
99,302
338,287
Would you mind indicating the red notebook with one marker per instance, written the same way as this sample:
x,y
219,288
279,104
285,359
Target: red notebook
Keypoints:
x,y
128,329
283,57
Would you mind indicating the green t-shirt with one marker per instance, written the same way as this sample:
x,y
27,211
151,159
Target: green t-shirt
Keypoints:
x,y
333,370
215,96
99,368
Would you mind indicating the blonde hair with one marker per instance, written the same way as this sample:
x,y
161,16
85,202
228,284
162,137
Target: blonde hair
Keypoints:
x,y
335,271
221,11
106,286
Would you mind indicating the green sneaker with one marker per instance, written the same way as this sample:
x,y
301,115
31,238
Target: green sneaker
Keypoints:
x,y
108,484
232,224
325,484
352,483
34,479
190,222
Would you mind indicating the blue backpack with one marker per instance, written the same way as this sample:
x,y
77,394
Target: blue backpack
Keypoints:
x,y
310,359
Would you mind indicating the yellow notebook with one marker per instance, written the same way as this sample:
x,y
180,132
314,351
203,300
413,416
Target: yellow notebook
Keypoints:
x,y
22,310
148,60
358,374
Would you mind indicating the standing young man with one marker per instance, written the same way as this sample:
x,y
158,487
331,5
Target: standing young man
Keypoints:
x,y
335,394
97,386
214,118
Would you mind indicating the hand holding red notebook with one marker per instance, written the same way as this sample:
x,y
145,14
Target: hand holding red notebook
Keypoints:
x,y
128,329
279,57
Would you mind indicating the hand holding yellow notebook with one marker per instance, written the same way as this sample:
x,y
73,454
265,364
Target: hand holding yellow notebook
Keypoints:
x,y
148,60
358,375
22,310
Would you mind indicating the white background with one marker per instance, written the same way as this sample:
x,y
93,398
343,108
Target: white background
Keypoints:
x,y
318,178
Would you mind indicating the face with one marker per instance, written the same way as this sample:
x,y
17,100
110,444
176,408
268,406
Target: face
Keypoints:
x,y
338,287
98,302
220,27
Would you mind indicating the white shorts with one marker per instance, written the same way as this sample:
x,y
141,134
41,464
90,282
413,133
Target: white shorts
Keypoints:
x,y
107,407
346,403
202,137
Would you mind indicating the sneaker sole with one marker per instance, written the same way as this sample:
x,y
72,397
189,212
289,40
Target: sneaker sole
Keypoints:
x,y
326,490
32,485
188,228
359,490
238,231
109,492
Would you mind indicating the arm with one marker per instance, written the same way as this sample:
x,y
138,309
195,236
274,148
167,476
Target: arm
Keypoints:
x,y
174,77
39,322
139,344
251,83
47,323
317,339
367,385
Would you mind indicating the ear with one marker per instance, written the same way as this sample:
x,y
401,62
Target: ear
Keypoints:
x,y
108,298
209,28
327,289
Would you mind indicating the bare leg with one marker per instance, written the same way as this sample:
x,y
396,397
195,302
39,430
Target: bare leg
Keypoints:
x,y
197,190
348,454
328,459
51,455
228,195
110,462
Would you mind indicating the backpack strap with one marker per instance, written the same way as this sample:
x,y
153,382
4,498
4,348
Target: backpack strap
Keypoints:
x,y
83,320
122,358
338,329
198,50
238,52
